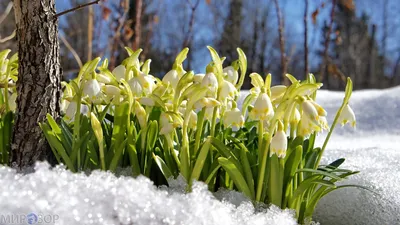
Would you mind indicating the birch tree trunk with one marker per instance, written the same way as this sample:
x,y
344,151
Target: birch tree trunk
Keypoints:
x,y
39,75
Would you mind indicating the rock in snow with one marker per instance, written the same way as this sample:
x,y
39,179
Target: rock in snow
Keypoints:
x,y
56,195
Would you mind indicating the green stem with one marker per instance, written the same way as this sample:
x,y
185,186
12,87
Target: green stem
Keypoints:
x,y
260,137
214,122
330,133
261,174
199,131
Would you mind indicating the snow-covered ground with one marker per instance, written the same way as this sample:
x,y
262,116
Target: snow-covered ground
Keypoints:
x,y
374,149
102,198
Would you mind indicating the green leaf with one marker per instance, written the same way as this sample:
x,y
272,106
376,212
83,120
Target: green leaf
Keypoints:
x,y
243,67
291,165
162,166
323,173
55,144
291,78
201,158
236,176
181,56
146,67
152,134
117,156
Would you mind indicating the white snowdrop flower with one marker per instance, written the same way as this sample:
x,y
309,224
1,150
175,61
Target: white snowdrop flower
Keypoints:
x,y
206,102
71,110
263,109
166,126
321,111
102,78
140,113
295,117
278,144
209,113
198,78
12,101
135,86
193,120
227,91
172,77
91,88
119,72
323,123
233,118
310,111
307,127
231,74
210,81
277,91
347,116
147,101
147,82
111,90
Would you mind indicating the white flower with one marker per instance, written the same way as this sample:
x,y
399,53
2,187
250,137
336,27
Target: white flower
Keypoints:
x,y
140,113
71,110
321,111
12,101
234,119
193,120
310,111
102,78
231,75
91,88
206,102
135,86
277,91
295,117
172,77
119,72
166,126
347,116
210,81
147,82
111,90
263,109
147,101
323,123
198,78
278,144
227,91
307,127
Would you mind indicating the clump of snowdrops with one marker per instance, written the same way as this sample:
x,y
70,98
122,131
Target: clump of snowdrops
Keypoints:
x,y
192,125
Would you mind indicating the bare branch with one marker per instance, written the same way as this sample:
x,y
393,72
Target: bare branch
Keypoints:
x,y
306,38
77,8
189,34
90,33
6,12
138,23
326,44
2,40
70,48
281,29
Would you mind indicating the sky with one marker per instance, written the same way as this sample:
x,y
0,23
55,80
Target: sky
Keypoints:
x,y
293,11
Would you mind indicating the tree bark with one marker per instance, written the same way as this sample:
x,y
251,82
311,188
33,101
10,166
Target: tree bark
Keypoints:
x,y
39,79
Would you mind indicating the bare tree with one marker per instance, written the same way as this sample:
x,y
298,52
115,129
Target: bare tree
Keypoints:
x,y
38,85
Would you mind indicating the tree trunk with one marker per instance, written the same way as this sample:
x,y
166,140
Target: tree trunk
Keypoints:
x,y
39,77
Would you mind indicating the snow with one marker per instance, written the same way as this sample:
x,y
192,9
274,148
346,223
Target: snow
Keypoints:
x,y
373,148
103,198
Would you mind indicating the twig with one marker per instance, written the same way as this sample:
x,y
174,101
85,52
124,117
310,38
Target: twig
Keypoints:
x,y
6,12
306,39
76,56
327,39
77,8
138,17
191,22
281,42
114,43
2,40
90,33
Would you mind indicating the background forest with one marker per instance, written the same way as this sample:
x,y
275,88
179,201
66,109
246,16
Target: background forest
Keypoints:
x,y
330,38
